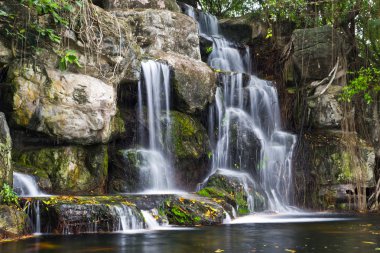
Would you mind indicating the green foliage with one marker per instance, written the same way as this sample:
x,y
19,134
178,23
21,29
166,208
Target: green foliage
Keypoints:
x,y
209,50
8,196
225,8
67,58
366,82
47,32
52,7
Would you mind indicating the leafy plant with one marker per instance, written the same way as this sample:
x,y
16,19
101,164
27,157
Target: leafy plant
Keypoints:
x,y
50,7
69,57
366,82
209,50
8,196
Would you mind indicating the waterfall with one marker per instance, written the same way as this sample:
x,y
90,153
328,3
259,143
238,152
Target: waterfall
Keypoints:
x,y
127,219
26,185
34,213
246,115
150,220
154,111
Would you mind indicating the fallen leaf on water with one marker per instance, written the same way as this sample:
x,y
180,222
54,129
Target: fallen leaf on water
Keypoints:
x,y
368,242
46,246
219,250
290,250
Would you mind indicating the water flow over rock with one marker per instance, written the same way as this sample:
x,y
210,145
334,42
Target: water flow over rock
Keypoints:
x,y
26,185
153,111
247,118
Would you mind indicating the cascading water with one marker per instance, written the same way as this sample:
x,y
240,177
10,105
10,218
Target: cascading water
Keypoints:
x,y
247,118
26,185
128,220
153,112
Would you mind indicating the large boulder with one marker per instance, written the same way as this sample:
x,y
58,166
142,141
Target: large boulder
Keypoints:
x,y
5,152
315,66
104,45
237,189
73,108
244,29
315,52
325,163
163,30
326,110
138,4
190,148
194,83
14,223
71,170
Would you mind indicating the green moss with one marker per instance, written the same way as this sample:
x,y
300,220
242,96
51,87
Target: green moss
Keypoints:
x,y
70,169
188,137
118,124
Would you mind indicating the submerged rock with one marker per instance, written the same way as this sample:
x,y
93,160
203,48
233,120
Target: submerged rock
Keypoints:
x,y
236,189
13,223
5,152
70,169
70,107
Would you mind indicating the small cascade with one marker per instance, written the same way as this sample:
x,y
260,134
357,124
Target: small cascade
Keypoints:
x,y
150,221
26,185
246,115
127,219
228,219
34,213
153,112
226,55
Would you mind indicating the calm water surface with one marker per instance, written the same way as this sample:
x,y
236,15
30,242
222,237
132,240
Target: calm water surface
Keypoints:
x,y
268,234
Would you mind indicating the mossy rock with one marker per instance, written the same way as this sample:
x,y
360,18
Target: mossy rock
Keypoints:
x,y
193,211
190,147
71,169
13,223
236,189
125,172
75,215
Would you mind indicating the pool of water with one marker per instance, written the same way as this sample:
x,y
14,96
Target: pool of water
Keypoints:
x,y
259,233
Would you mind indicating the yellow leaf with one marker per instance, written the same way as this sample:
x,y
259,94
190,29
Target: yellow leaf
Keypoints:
x,y
219,250
368,242
290,250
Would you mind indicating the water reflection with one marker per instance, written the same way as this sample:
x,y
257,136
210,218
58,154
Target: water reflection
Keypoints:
x,y
360,235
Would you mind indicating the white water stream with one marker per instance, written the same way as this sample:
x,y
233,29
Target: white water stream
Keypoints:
x,y
246,116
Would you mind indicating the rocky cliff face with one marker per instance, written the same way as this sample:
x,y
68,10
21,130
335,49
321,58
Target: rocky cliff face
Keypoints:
x,y
75,128
69,113
340,162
